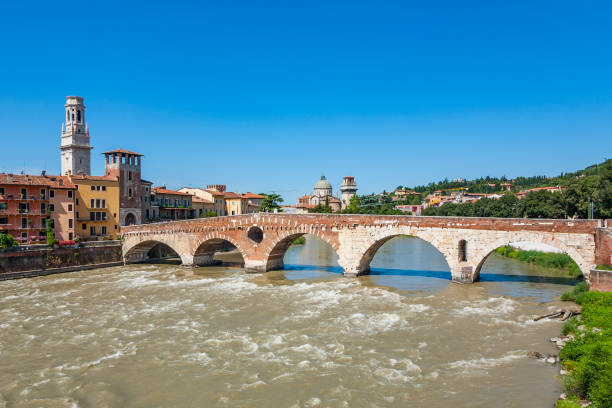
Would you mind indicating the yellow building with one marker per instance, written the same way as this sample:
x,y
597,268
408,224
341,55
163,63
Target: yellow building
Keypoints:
x,y
97,207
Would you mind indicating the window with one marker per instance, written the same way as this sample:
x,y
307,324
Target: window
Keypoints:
x,y
52,223
76,200
43,194
78,115
24,235
104,216
93,188
98,203
103,230
1,190
92,230
83,226
51,207
103,188
76,186
70,236
51,193
91,203
3,220
69,193
97,188
24,193
98,216
92,216
69,207
129,175
129,192
3,206
43,208
24,223
70,223
43,223
77,215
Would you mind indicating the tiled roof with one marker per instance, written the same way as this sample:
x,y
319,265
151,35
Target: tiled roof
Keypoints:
x,y
122,151
232,195
252,195
60,182
161,190
22,179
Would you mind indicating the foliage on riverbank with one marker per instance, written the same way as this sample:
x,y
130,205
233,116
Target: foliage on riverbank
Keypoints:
x,y
576,293
545,259
588,359
372,204
299,241
578,190
7,241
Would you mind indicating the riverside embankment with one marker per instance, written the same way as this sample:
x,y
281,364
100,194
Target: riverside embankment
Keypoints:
x,y
17,263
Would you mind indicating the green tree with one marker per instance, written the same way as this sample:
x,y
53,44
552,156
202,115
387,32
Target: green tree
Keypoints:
x,y
208,214
270,203
50,234
7,241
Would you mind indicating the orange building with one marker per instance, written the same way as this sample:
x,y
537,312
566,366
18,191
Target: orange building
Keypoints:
x,y
27,201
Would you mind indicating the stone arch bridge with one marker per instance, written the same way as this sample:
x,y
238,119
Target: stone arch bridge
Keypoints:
x,y
263,238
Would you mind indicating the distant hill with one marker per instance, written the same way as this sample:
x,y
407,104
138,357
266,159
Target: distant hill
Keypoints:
x,y
493,184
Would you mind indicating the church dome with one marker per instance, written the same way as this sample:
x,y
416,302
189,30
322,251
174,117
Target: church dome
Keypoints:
x,y
323,184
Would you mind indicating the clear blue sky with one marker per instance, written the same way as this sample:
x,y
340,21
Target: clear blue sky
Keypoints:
x,y
266,96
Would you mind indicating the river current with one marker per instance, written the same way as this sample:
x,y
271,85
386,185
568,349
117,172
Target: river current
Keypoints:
x,y
405,336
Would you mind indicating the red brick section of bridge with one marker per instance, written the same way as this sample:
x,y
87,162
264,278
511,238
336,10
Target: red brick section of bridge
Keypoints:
x,y
195,240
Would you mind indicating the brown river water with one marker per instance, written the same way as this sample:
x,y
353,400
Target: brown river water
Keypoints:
x,y
405,336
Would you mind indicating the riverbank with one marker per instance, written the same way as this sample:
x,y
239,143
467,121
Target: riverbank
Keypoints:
x,y
552,260
587,356
15,264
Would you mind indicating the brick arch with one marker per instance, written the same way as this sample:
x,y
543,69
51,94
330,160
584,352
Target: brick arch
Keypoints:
x,y
485,252
372,247
280,244
137,252
207,245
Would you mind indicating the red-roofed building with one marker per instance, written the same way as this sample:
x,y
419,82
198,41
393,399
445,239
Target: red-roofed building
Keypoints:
x,y
27,201
173,205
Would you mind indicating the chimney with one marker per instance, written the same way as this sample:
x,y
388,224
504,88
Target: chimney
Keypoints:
x,y
43,173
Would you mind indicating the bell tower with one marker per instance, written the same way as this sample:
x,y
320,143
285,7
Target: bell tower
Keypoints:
x,y
75,148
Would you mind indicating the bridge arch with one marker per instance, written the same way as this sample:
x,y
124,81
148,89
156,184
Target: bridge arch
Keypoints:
x,y
279,246
375,244
485,252
139,252
206,247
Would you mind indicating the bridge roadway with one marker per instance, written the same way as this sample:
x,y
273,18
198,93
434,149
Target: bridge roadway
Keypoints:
x,y
465,242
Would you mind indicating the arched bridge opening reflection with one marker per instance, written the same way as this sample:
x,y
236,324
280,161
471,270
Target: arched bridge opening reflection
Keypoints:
x,y
308,256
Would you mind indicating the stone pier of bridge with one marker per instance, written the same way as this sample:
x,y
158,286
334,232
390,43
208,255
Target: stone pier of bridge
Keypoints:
x,y
262,239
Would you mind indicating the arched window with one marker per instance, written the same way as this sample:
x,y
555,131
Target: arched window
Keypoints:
x,y
73,116
462,251
79,116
